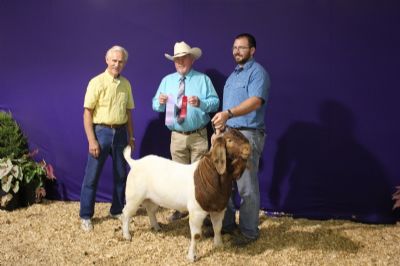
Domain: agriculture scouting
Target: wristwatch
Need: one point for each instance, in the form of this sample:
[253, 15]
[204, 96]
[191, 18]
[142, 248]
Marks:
[230, 114]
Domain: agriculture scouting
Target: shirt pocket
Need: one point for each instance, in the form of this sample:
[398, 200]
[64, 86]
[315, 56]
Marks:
[122, 100]
[104, 97]
[241, 91]
[240, 84]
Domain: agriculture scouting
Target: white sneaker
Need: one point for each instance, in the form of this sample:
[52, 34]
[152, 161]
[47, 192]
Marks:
[86, 225]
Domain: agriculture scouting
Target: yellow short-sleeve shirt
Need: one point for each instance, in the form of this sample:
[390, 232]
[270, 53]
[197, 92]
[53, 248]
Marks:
[109, 98]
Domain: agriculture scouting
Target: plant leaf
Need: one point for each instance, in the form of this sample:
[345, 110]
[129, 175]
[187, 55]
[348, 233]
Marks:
[5, 167]
[50, 171]
[6, 183]
[16, 171]
[16, 187]
[6, 199]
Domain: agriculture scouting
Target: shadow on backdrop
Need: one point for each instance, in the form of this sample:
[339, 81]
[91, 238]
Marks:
[218, 80]
[322, 172]
[156, 139]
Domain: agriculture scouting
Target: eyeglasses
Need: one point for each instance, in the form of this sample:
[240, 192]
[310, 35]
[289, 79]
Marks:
[240, 48]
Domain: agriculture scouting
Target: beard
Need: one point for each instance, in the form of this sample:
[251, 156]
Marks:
[241, 59]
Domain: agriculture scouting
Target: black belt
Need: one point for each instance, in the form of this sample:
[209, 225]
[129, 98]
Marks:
[111, 126]
[189, 132]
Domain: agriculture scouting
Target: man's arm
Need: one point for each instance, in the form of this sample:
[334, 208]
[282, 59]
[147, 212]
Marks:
[209, 102]
[131, 140]
[94, 147]
[160, 98]
[245, 107]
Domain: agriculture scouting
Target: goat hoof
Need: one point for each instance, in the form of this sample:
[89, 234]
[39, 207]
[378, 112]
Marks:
[157, 228]
[191, 258]
[127, 237]
[218, 244]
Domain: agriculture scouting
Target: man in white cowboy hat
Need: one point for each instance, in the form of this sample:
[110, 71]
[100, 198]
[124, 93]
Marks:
[187, 96]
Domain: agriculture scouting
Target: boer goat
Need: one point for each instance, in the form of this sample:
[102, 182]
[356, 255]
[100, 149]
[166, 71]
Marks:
[201, 188]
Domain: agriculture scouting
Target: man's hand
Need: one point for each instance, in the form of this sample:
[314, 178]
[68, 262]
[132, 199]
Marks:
[194, 101]
[219, 120]
[132, 143]
[163, 98]
[94, 148]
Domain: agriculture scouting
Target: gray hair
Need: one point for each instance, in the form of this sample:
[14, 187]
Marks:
[119, 49]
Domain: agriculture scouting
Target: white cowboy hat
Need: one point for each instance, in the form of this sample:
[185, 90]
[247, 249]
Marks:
[182, 49]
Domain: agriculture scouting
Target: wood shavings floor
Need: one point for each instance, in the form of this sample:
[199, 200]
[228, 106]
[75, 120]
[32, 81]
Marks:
[49, 233]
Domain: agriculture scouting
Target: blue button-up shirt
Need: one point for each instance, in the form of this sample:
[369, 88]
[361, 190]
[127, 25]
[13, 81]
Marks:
[196, 84]
[245, 82]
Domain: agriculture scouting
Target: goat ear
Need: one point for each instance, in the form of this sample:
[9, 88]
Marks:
[218, 156]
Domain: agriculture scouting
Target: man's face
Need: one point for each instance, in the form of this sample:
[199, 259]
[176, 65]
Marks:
[241, 51]
[183, 64]
[115, 63]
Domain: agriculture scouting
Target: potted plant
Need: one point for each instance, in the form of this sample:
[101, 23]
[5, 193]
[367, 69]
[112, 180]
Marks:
[23, 180]
[22, 177]
[35, 175]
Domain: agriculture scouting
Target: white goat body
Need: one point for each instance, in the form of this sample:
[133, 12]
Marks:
[164, 182]
[155, 181]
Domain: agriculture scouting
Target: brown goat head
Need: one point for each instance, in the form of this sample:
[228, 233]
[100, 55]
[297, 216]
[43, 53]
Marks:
[213, 176]
[218, 155]
[237, 144]
[238, 150]
[234, 146]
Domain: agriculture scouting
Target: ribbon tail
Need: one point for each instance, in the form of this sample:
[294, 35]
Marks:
[170, 111]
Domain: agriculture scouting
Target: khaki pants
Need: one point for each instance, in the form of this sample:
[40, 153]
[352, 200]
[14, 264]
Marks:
[188, 149]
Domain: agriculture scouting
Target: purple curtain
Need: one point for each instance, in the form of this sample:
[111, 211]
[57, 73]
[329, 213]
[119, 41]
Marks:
[332, 147]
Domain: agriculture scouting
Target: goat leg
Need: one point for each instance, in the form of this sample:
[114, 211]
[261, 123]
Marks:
[125, 226]
[216, 219]
[128, 211]
[195, 222]
[151, 209]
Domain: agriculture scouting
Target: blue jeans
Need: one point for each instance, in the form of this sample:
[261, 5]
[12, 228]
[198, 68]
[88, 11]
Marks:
[112, 142]
[249, 191]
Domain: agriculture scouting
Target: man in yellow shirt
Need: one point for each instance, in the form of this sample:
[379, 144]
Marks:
[109, 128]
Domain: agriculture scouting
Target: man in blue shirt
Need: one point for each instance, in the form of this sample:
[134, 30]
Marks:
[244, 105]
[189, 139]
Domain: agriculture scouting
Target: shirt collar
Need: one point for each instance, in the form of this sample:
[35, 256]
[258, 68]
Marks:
[110, 78]
[246, 66]
[187, 76]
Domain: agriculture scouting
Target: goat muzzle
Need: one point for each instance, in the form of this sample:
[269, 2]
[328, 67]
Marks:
[245, 151]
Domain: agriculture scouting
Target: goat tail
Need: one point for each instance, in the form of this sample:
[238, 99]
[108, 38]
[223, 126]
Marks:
[127, 155]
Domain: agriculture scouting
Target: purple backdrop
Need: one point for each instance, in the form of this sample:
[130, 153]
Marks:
[332, 148]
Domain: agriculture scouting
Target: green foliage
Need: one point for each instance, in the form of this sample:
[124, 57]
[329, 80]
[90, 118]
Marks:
[13, 143]
[18, 173]
[18, 169]
[32, 170]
